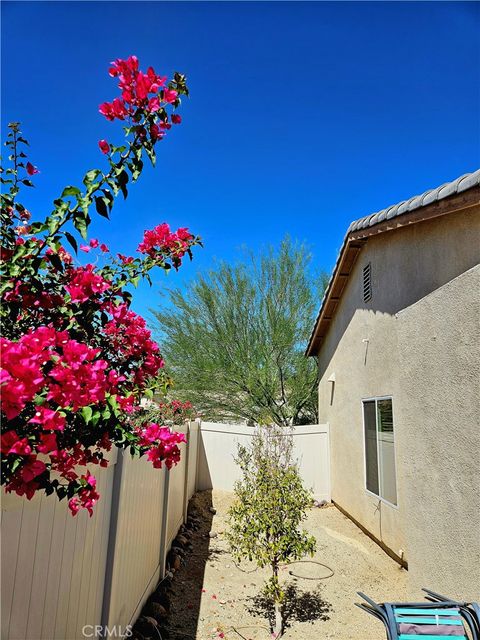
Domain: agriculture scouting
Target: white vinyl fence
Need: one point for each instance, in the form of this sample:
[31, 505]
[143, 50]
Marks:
[218, 447]
[61, 574]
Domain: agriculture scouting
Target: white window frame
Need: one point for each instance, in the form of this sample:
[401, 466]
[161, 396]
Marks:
[370, 493]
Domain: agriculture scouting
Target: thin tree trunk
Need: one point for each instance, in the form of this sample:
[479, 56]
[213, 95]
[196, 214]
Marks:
[278, 629]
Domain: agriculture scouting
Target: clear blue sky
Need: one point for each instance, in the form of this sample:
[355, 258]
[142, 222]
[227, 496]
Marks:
[302, 116]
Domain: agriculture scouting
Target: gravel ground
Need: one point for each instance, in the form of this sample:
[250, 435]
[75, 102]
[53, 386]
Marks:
[212, 596]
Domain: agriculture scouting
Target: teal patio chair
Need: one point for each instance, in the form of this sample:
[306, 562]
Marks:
[420, 620]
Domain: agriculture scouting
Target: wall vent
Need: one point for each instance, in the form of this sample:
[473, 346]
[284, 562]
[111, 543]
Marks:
[367, 282]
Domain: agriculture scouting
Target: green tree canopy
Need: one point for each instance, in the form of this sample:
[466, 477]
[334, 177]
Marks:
[235, 338]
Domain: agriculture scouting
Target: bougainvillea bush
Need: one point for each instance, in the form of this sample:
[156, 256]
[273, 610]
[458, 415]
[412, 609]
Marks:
[76, 360]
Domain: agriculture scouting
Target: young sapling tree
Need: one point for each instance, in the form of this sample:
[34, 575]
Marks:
[270, 505]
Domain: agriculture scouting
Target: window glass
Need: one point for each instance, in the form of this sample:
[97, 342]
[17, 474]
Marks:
[386, 451]
[380, 448]
[371, 456]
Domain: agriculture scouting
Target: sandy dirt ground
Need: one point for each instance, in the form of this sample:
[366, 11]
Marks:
[213, 598]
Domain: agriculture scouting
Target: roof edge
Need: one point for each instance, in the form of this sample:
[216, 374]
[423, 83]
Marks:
[357, 235]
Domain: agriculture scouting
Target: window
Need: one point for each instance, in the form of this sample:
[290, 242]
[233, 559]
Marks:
[367, 282]
[380, 449]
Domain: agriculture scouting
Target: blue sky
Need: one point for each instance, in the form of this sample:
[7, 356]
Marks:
[302, 115]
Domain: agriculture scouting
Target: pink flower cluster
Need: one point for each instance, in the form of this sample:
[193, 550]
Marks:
[128, 335]
[136, 88]
[162, 444]
[162, 240]
[74, 378]
[29, 299]
[85, 283]
[86, 497]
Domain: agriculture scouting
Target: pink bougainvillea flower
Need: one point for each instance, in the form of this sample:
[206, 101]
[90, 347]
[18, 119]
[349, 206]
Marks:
[74, 506]
[11, 443]
[94, 243]
[125, 259]
[85, 248]
[169, 95]
[156, 133]
[115, 109]
[176, 119]
[31, 170]
[49, 419]
[32, 469]
[48, 442]
[104, 248]
[154, 104]
[22, 488]
[86, 498]
[84, 283]
[104, 146]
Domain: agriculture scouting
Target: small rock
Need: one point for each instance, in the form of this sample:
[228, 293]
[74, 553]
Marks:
[181, 540]
[175, 562]
[212, 534]
[156, 610]
[212, 510]
[163, 599]
[147, 626]
[179, 551]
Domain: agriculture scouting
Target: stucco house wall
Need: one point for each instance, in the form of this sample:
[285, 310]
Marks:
[440, 456]
[363, 349]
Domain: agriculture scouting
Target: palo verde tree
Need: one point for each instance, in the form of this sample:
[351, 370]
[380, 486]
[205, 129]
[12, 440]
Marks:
[270, 504]
[235, 338]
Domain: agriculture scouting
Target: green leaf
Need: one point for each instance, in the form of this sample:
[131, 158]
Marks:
[87, 414]
[80, 224]
[90, 176]
[71, 191]
[102, 206]
[72, 241]
[137, 167]
[151, 154]
[27, 183]
[56, 262]
[122, 180]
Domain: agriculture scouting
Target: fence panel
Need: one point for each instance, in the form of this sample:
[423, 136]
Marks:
[218, 447]
[176, 498]
[52, 569]
[135, 557]
[194, 438]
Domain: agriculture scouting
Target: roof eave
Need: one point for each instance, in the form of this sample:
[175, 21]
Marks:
[354, 241]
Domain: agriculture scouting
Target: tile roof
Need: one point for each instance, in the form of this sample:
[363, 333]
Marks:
[449, 188]
[463, 183]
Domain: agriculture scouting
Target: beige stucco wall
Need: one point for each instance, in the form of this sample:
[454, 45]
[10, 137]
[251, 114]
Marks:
[407, 265]
[439, 416]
